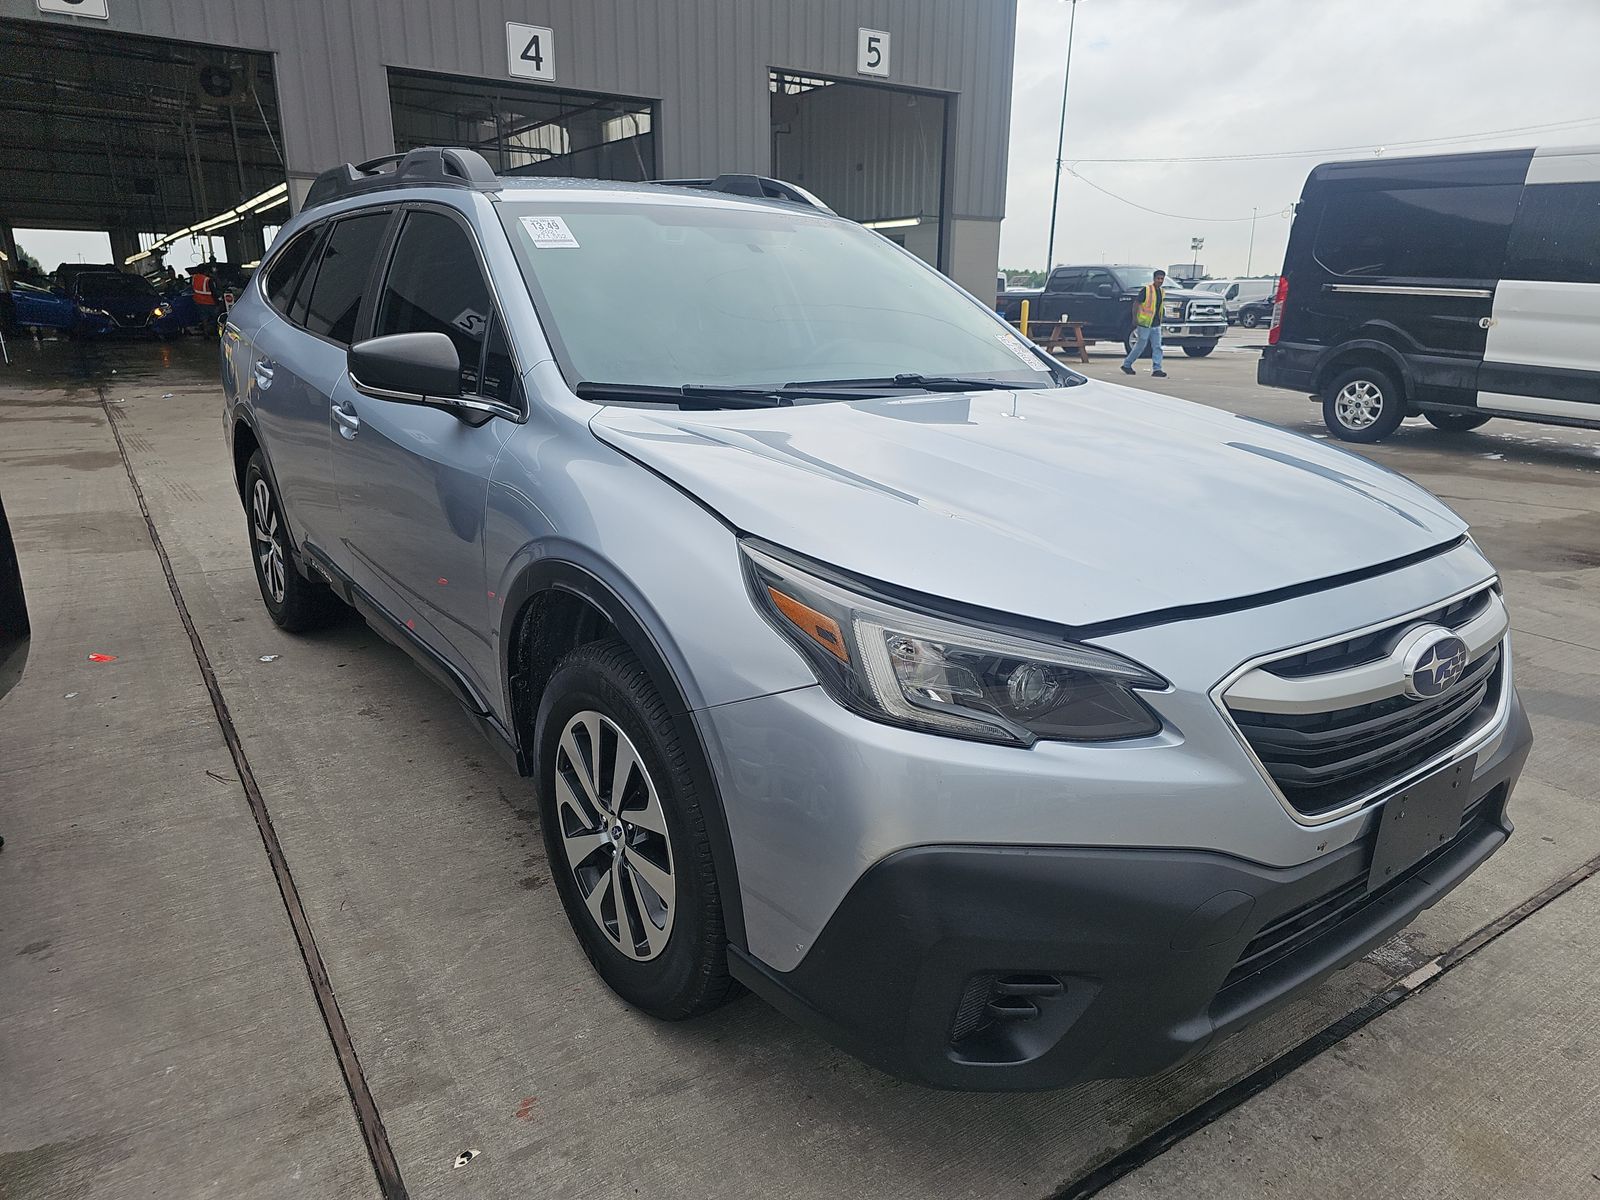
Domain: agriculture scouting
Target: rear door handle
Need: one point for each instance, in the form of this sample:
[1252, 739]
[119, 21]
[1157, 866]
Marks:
[345, 415]
[262, 370]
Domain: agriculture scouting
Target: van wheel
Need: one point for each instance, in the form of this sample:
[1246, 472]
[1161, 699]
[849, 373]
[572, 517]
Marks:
[294, 602]
[1200, 351]
[1455, 422]
[626, 837]
[1363, 404]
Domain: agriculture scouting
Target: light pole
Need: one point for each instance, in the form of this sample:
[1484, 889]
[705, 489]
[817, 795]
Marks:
[1061, 139]
[1251, 253]
[1195, 244]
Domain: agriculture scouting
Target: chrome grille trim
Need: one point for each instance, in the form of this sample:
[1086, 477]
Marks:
[1493, 625]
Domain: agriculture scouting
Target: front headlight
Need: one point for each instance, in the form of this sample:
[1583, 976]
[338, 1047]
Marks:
[96, 312]
[930, 673]
[160, 310]
[1173, 310]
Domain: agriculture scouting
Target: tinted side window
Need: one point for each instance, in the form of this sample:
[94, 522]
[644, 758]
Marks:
[1418, 233]
[1556, 236]
[286, 268]
[342, 276]
[499, 371]
[435, 286]
[1064, 281]
[1094, 279]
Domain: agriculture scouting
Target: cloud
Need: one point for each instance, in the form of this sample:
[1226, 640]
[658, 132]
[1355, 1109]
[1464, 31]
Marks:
[1182, 78]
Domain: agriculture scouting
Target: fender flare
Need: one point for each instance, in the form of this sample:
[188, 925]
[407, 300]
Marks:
[1385, 350]
[561, 575]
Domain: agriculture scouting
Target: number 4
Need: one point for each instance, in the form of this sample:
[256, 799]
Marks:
[532, 53]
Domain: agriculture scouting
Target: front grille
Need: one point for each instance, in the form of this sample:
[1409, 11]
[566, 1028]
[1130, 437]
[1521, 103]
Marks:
[1323, 760]
[1301, 928]
[1370, 647]
[1204, 310]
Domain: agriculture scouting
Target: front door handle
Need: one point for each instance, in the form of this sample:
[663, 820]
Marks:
[345, 415]
[262, 370]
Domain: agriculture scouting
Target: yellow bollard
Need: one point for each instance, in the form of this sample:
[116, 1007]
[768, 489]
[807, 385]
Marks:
[1024, 323]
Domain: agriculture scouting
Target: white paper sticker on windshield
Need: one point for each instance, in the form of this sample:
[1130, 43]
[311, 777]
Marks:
[1014, 344]
[549, 233]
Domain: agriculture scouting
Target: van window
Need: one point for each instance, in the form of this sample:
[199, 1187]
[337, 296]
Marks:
[435, 286]
[1556, 236]
[342, 276]
[1417, 233]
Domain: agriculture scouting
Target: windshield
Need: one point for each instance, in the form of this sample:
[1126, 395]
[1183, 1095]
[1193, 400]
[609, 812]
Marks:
[107, 284]
[667, 295]
[1137, 277]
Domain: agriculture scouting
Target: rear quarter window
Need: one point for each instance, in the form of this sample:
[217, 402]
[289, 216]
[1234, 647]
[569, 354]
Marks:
[1417, 233]
[1556, 236]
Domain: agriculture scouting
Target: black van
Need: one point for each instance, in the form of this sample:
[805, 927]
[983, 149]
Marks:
[1456, 287]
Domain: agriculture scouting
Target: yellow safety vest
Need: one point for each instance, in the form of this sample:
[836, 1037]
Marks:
[1145, 311]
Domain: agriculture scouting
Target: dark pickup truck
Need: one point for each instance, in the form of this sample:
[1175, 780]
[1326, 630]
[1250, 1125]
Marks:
[1102, 298]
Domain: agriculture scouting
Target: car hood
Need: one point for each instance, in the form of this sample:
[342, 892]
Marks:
[1077, 505]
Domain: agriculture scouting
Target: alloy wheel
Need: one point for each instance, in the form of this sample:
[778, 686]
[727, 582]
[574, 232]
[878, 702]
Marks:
[614, 835]
[269, 541]
[1358, 404]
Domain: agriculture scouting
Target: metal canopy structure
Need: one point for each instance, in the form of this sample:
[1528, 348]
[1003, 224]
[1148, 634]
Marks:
[124, 133]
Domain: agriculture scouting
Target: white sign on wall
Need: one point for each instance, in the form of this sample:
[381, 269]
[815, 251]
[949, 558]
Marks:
[528, 51]
[98, 9]
[872, 52]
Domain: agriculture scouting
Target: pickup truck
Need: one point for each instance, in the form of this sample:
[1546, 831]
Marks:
[1102, 298]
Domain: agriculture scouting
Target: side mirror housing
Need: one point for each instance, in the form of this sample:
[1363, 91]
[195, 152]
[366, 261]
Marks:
[1104, 289]
[408, 366]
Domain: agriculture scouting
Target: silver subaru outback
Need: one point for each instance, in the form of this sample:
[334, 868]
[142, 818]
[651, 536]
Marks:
[1008, 727]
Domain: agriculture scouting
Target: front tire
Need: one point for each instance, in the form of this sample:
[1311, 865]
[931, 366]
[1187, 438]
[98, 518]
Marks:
[626, 835]
[294, 602]
[1200, 351]
[1364, 404]
[1455, 422]
[1249, 320]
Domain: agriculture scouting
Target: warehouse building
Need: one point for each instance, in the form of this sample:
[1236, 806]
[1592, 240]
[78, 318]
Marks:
[164, 121]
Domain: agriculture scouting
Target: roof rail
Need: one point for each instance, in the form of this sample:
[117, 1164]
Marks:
[446, 166]
[757, 186]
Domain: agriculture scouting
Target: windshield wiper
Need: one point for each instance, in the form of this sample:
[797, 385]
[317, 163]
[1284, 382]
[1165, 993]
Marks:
[690, 395]
[929, 383]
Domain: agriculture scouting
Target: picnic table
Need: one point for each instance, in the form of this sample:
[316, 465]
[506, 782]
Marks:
[1061, 336]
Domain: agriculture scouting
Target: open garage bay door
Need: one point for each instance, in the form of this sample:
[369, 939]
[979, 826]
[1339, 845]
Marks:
[526, 130]
[872, 153]
[136, 136]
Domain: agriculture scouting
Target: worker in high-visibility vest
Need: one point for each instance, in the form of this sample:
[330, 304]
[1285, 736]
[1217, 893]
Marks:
[1147, 310]
[201, 277]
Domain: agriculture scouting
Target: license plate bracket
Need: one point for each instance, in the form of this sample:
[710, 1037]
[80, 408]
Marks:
[1418, 819]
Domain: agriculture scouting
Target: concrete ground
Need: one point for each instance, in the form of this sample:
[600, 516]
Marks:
[158, 1035]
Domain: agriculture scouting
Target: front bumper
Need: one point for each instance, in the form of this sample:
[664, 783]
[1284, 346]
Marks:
[1179, 334]
[1129, 959]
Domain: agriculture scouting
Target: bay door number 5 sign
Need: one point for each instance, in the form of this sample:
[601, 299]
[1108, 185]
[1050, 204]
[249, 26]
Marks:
[872, 52]
[528, 51]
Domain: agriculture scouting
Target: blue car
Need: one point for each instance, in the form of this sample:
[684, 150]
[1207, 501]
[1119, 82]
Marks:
[35, 307]
[124, 303]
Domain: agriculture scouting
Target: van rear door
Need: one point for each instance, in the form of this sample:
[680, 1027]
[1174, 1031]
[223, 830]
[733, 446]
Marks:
[1542, 355]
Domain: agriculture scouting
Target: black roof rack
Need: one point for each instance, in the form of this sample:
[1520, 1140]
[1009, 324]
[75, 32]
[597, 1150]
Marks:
[757, 186]
[445, 166]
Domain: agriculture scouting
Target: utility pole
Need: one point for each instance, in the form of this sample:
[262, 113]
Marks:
[1061, 140]
[1251, 253]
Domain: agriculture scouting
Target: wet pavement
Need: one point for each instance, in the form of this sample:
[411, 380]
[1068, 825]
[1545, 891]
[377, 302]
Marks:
[158, 1034]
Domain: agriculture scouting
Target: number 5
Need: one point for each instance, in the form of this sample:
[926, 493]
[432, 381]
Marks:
[874, 51]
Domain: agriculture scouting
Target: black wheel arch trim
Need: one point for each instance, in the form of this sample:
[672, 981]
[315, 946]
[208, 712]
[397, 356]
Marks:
[564, 575]
[1328, 365]
[297, 552]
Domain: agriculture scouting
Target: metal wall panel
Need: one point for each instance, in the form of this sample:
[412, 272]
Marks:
[704, 61]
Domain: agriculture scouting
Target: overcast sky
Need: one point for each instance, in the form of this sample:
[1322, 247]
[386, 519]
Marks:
[1179, 78]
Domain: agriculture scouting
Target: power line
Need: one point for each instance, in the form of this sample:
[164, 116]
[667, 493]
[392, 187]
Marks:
[1175, 216]
[1274, 154]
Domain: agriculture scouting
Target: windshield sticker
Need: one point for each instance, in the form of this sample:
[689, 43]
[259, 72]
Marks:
[549, 233]
[1014, 344]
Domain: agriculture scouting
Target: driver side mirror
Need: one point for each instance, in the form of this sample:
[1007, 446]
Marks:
[414, 367]
[1104, 290]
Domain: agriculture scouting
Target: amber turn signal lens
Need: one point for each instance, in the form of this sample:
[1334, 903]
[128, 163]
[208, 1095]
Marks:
[819, 627]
